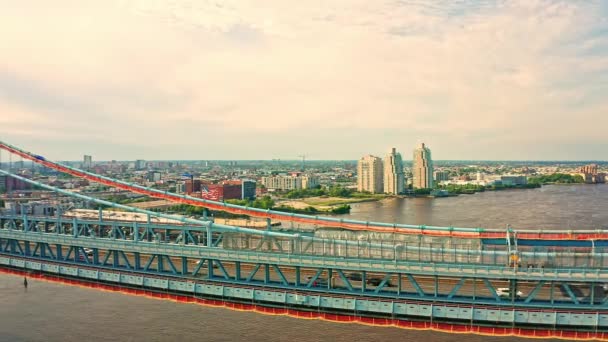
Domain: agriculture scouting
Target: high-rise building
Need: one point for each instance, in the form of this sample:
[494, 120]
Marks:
[394, 178]
[248, 189]
[591, 168]
[140, 164]
[422, 168]
[88, 162]
[370, 175]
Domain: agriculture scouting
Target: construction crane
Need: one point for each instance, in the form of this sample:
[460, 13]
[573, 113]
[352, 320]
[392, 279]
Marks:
[303, 156]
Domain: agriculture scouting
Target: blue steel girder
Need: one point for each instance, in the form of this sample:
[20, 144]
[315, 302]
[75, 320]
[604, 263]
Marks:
[491, 289]
[253, 272]
[190, 238]
[383, 283]
[81, 255]
[169, 262]
[149, 263]
[222, 268]
[68, 254]
[276, 243]
[260, 243]
[415, 285]
[18, 246]
[344, 280]
[280, 274]
[125, 259]
[36, 248]
[314, 278]
[217, 241]
[106, 257]
[306, 246]
[198, 266]
[568, 290]
[83, 229]
[456, 288]
[534, 291]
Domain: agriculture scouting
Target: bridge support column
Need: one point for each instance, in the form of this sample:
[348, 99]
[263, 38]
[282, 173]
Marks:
[209, 236]
[237, 270]
[59, 251]
[135, 231]
[266, 273]
[184, 265]
[209, 268]
[474, 288]
[399, 288]
[436, 286]
[137, 260]
[115, 261]
[297, 275]
[363, 280]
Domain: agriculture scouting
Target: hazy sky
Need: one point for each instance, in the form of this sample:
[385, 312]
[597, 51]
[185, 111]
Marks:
[334, 79]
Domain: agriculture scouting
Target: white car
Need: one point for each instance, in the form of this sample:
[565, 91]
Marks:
[88, 251]
[505, 292]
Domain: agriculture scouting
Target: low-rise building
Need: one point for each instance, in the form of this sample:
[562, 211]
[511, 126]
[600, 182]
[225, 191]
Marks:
[290, 182]
[511, 180]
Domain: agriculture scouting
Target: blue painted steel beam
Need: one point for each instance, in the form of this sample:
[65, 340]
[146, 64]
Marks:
[383, 283]
[415, 285]
[184, 265]
[146, 266]
[534, 291]
[171, 265]
[222, 269]
[125, 259]
[344, 280]
[253, 272]
[266, 274]
[568, 290]
[491, 289]
[280, 274]
[198, 266]
[237, 271]
[35, 248]
[314, 278]
[456, 288]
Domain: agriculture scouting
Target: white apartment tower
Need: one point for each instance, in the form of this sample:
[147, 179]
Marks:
[422, 168]
[394, 177]
[370, 175]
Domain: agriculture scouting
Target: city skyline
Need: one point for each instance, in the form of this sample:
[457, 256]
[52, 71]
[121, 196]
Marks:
[488, 80]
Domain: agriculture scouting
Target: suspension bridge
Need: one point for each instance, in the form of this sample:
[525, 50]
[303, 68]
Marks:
[535, 283]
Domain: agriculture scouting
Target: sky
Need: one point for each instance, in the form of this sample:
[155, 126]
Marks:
[331, 79]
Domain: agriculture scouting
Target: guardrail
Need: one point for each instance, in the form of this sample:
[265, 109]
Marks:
[369, 265]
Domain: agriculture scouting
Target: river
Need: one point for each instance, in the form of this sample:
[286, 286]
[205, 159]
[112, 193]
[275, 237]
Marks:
[54, 312]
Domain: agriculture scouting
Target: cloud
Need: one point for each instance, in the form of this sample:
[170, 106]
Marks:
[348, 77]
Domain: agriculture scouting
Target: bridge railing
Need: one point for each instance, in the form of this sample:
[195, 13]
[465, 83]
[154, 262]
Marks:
[294, 244]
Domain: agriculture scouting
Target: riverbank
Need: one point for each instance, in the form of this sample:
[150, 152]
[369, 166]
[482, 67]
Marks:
[324, 203]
